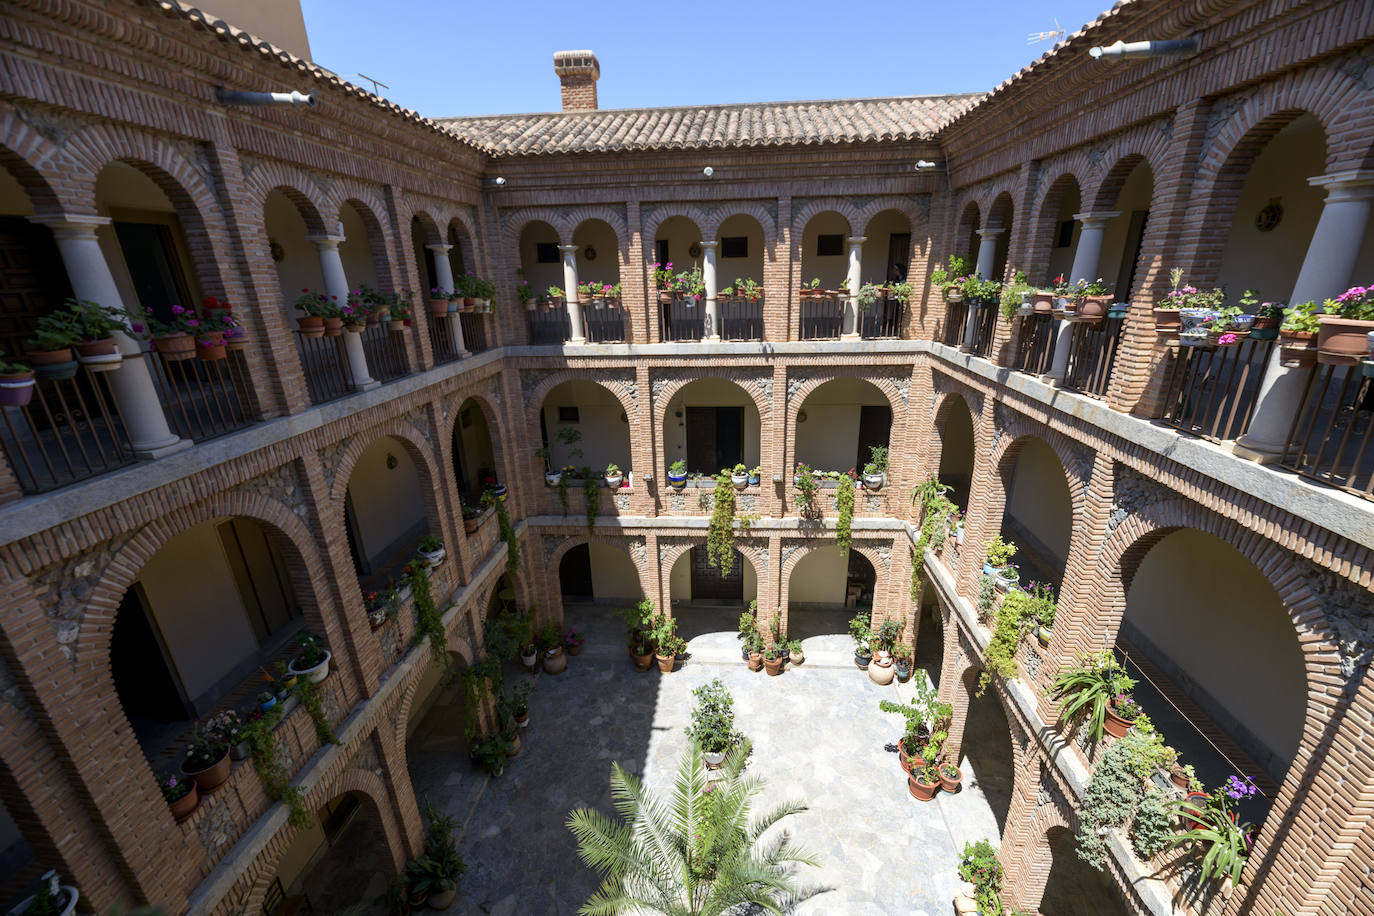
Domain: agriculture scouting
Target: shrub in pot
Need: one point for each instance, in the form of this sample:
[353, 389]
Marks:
[861, 631]
[207, 759]
[751, 640]
[950, 776]
[180, 794]
[431, 550]
[312, 659]
[739, 476]
[1091, 688]
[875, 471]
[795, 655]
[572, 642]
[923, 782]
[677, 474]
[96, 344]
[16, 383]
[999, 565]
[773, 658]
[614, 476]
[670, 645]
[713, 722]
[639, 621]
[49, 350]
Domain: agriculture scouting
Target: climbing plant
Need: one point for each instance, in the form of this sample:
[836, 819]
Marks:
[844, 501]
[563, 489]
[592, 488]
[428, 623]
[276, 782]
[720, 535]
[314, 705]
[936, 510]
[1013, 618]
[507, 529]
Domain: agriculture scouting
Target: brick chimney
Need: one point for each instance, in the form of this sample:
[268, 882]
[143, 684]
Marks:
[578, 71]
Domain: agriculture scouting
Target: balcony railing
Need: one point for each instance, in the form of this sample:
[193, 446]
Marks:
[821, 317]
[740, 318]
[1035, 344]
[550, 325]
[1092, 354]
[1332, 440]
[441, 340]
[69, 431]
[327, 375]
[681, 318]
[886, 318]
[385, 351]
[474, 332]
[204, 399]
[605, 324]
[956, 316]
[1210, 391]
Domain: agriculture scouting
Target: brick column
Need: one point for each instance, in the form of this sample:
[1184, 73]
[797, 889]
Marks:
[783, 320]
[419, 353]
[635, 289]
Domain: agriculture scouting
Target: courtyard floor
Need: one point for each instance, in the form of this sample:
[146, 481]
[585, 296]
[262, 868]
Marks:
[818, 736]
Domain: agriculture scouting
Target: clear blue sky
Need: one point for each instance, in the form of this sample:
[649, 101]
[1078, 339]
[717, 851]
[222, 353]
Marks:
[468, 58]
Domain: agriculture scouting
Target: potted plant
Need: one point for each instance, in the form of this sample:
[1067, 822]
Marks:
[550, 641]
[313, 307]
[1092, 690]
[861, 631]
[52, 899]
[795, 655]
[16, 383]
[669, 644]
[312, 659]
[49, 350]
[1212, 825]
[875, 471]
[1298, 335]
[180, 794]
[739, 476]
[901, 660]
[677, 474]
[1042, 609]
[526, 295]
[529, 655]
[639, 621]
[999, 565]
[773, 657]
[713, 722]
[572, 642]
[431, 550]
[207, 758]
[950, 776]
[755, 476]
[614, 476]
[884, 640]
[472, 517]
[97, 323]
[807, 486]
[438, 302]
[1093, 297]
[1342, 335]
[923, 781]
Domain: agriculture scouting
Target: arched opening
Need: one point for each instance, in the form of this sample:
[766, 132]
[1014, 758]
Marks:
[711, 423]
[596, 573]
[886, 257]
[1200, 620]
[1038, 516]
[1058, 229]
[356, 250]
[462, 256]
[295, 257]
[541, 268]
[707, 600]
[677, 249]
[598, 263]
[423, 233]
[1001, 213]
[1073, 887]
[842, 425]
[930, 633]
[584, 427]
[384, 511]
[366, 266]
[1124, 234]
[825, 589]
[342, 858]
[956, 449]
[740, 258]
[987, 762]
[824, 267]
[211, 606]
[437, 731]
[474, 460]
[966, 238]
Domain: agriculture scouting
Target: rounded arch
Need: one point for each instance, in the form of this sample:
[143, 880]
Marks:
[834, 437]
[608, 215]
[966, 231]
[601, 250]
[521, 220]
[604, 418]
[20, 148]
[496, 433]
[829, 576]
[739, 210]
[724, 386]
[955, 427]
[388, 502]
[672, 554]
[1018, 431]
[530, 244]
[1039, 507]
[1061, 201]
[429, 227]
[759, 248]
[889, 244]
[377, 266]
[599, 569]
[654, 221]
[842, 207]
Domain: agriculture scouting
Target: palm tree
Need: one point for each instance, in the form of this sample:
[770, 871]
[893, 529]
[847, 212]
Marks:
[694, 853]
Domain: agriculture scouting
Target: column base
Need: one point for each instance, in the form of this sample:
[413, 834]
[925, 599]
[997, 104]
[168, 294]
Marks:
[577, 341]
[711, 338]
[1259, 455]
[1050, 379]
[154, 452]
[464, 354]
[851, 336]
[367, 385]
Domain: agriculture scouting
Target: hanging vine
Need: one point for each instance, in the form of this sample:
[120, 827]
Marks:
[314, 704]
[506, 528]
[844, 501]
[428, 624]
[592, 487]
[936, 510]
[563, 490]
[720, 535]
[276, 782]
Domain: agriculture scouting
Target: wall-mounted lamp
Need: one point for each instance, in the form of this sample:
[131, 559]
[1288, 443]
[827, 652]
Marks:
[391, 462]
[708, 171]
[497, 182]
[801, 416]
[924, 165]
[1136, 50]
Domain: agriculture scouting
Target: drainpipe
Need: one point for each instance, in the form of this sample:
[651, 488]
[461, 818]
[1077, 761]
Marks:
[1142, 49]
[293, 98]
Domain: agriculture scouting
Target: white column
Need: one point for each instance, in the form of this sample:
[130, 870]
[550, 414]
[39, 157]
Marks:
[849, 325]
[708, 276]
[576, 334]
[132, 384]
[1327, 270]
[1085, 261]
[987, 250]
[443, 278]
[336, 285]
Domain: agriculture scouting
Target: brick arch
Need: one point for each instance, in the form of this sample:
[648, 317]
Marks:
[517, 221]
[674, 387]
[455, 645]
[495, 429]
[379, 239]
[815, 207]
[296, 185]
[466, 231]
[622, 544]
[901, 205]
[969, 221]
[1015, 435]
[608, 216]
[662, 214]
[21, 150]
[192, 197]
[429, 225]
[767, 222]
[866, 547]
[535, 399]
[667, 558]
[943, 406]
[1001, 209]
[1104, 194]
[886, 384]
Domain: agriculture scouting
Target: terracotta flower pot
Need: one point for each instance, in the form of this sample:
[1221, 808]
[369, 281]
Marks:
[333, 327]
[311, 326]
[182, 807]
[755, 661]
[1042, 303]
[774, 665]
[1178, 777]
[1094, 306]
[1342, 341]
[1297, 349]
[95, 350]
[438, 307]
[642, 662]
[213, 776]
[1166, 320]
[470, 525]
[176, 347]
[921, 791]
[1114, 725]
[908, 761]
[396, 325]
[665, 662]
[211, 348]
[40, 359]
[951, 784]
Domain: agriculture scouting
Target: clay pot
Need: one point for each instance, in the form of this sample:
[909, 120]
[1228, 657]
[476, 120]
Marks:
[573, 650]
[919, 790]
[881, 671]
[1114, 725]
[796, 657]
[948, 784]
[514, 747]
[470, 525]
[176, 347]
[210, 349]
[1178, 777]
[333, 327]
[1094, 306]
[555, 661]
[41, 359]
[97, 350]
[213, 776]
[395, 325]
[1043, 303]
[642, 662]
[311, 326]
[755, 661]
[1296, 349]
[774, 665]
[16, 390]
[182, 807]
[665, 662]
[438, 308]
[1342, 341]
[1167, 320]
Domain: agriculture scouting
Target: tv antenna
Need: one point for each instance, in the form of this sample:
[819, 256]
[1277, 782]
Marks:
[375, 83]
[1034, 38]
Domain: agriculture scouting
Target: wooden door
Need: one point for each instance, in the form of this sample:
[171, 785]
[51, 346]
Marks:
[709, 585]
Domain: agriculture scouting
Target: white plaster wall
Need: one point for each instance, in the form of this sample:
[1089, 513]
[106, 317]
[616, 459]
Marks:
[475, 443]
[126, 194]
[956, 445]
[1039, 497]
[879, 233]
[309, 843]
[820, 577]
[197, 607]
[426, 693]
[14, 200]
[1134, 195]
[613, 573]
[605, 436]
[1270, 261]
[356, 250]
[418, 241]
[829, 439]
[1061, 259]
[600, 236]
[300, 267]
[830, 269]
[1203, 604]
[709, 392]
[541, 276]
[728, 270]
[387, 504]
[681, 234]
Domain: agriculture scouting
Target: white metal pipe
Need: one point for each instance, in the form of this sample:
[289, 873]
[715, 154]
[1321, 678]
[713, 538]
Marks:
[294, 98]
[1140, 49]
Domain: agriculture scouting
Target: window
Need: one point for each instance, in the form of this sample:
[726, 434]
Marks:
[546, 253]
[1065, 234]
[661, 249]
[568, 415]
[829, 246]
[734, 246]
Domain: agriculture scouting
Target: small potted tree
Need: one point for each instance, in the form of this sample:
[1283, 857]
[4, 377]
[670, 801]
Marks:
[669, 644]
[861, 631]
[875, 471]
[713, 722]
[749, 637]
[882, 671]
[901, 660]
[677, 474]
[774, 655]
[639, 622]
[999, 565]
[312, 659]
[739, 476]
[431, 550]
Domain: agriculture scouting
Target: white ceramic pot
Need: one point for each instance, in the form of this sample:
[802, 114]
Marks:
[433, 557]
[713, 759]
[313, 675]
[875, 481]
[553, 478]
[614, 482]
[72, 895]
[530, 660]
[881, 671]
[739, 480]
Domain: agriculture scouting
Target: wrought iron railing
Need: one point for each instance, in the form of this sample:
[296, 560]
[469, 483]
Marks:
[1092, 354]
[548, 323]
[325, 364]
[822, 317]
[886, 318]
[441, 340]
[604, 324]
[681, 318]
[69, 430]
[956, 314]
[1210, 391]
[1332, 440]
[204, 398]
[385, 352]
[1035, 344]
[740, 318]
[474, 332]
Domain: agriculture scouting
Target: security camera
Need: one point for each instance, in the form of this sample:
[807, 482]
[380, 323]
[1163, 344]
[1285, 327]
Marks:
[924, 164]
[708, 171]
[500, 181]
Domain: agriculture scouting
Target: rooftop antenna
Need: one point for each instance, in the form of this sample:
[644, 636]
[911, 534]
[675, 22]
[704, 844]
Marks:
[1034, 38]
[375, 84]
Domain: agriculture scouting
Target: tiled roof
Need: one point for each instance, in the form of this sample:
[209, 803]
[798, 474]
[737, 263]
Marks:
[713, 126]
[233, 35]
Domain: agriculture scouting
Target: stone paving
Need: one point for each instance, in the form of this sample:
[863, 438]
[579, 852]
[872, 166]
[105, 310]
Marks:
[818, 736]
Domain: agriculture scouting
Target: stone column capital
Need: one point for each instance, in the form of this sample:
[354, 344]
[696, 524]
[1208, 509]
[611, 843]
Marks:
[991, 232]
[439, 247]
[1096, 218]
[72, 227]
[1351, 185]
[857, 239]
[569, 249]
[711, 244]
[325, 242]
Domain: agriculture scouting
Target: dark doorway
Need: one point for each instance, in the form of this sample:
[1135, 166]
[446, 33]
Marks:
[898, 256]
[715, 438]
[150, 255]
[709, 585]
[875, 428]
[1130, 255]
[351, 532]
[148, 691]
[33, 281]
[260, 572]
[575, 573]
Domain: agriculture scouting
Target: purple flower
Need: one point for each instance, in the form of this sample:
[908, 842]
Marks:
[138, 328]
[178, 310]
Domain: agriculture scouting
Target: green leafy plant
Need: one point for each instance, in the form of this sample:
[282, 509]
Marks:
[978, 865]
[428, 623]
[1356, 303]
[861, 631]
[314, 705]
[720, 533]
[1217, 830]
[1110, 800]
[1000, 552]
[57, 330]
[430, 543]
[713, 718]
[844, 501]
[506, 528]
[1014, 293]
[1303, 318]
[877, 460]
[936, 509]
[1013, 620]
[1089, 687]
[807, 487]
[987, 596]
[591, 489]
[749, 628]
[258, 732]
[639, 621]
[1151, 830]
